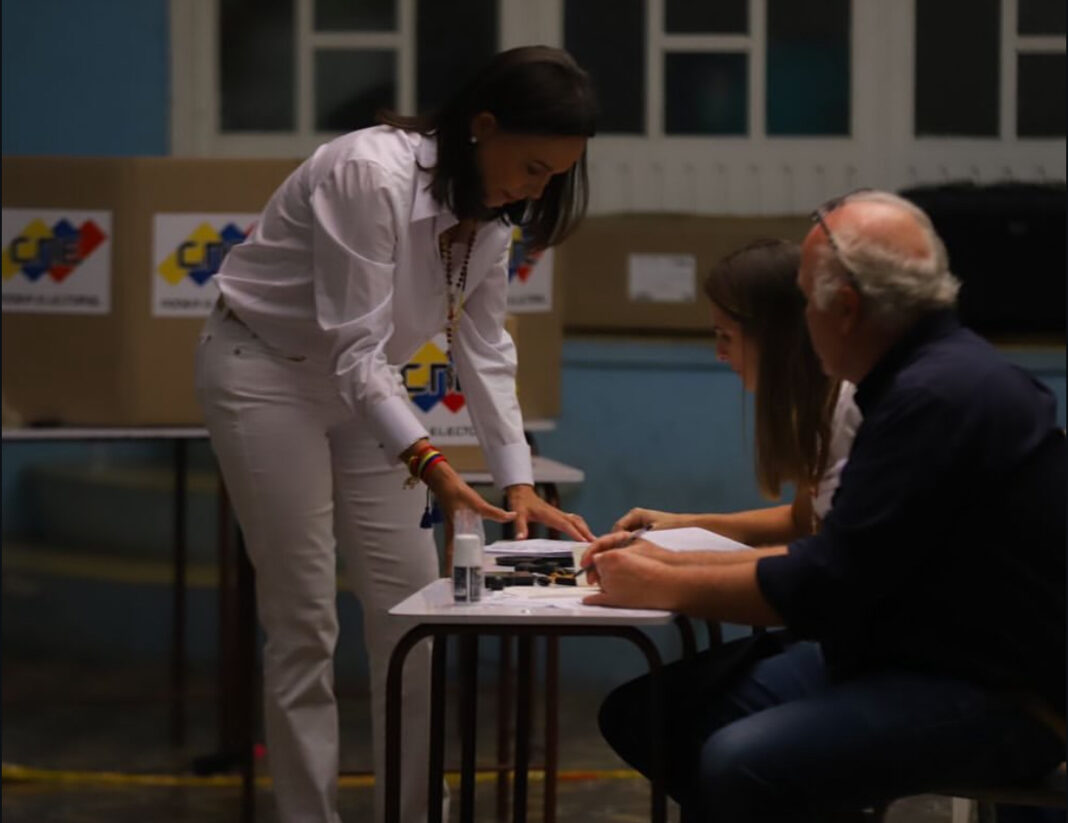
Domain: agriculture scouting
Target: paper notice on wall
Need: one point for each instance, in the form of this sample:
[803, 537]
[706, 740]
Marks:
[441, 408]
[56, 261]
[187, 250]
[662, 278]
[530, 277]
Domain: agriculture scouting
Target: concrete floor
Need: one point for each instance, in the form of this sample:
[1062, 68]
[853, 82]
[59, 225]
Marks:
[85, 733]
[94, 741]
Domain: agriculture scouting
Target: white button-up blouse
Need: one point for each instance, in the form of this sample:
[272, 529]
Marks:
[344, 269]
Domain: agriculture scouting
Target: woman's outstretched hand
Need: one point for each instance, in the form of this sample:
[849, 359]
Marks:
[528, 507]
[649, 519]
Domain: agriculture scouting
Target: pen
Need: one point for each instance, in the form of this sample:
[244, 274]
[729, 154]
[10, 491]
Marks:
[634, 535]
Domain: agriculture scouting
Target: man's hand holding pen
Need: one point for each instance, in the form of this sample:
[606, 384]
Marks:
[635, 578]
[630, 540]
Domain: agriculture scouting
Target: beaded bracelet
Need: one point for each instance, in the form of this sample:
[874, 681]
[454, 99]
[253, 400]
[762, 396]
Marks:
[413, 461]
[421, 462]
[428, 462]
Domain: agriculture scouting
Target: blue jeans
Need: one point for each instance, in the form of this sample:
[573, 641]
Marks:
[775, 739]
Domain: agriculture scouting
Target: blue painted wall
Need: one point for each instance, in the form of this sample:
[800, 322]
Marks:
[80, 78]
[664, 425]
[86, 77]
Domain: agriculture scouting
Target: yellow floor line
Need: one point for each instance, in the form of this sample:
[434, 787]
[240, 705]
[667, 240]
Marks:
[92, 566]
[13, 773]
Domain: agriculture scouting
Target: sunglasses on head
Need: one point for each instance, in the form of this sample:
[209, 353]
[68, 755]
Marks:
[818, 217]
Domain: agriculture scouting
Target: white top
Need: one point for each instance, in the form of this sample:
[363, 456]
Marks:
[844, 424]
[344, 268]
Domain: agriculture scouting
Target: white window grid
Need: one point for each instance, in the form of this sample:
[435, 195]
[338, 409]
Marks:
[654, 172]
[196, 105]
[1012, 46]
[195, 127]
[753, 44]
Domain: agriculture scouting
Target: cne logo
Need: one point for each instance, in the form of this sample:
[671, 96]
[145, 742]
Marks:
[199, 256]
[523, 258]
[426, 379]
[56, 251]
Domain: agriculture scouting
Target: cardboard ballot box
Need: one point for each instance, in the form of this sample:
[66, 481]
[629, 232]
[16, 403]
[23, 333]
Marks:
[645, 272]
[107, 266]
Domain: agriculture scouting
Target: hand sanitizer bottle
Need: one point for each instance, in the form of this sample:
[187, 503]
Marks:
[467, 558]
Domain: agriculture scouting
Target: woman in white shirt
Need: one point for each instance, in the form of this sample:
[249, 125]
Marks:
[805, 421]
[382, 239]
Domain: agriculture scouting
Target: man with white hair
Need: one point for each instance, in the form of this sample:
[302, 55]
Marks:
[931, 605]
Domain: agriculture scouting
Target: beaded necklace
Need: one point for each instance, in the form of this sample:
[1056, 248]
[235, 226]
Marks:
[455, 292]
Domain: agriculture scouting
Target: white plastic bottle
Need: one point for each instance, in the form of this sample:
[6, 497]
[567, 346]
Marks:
[466, 568]
[467, 546]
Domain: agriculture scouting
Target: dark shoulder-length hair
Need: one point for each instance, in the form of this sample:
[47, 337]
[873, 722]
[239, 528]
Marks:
[532, 90]
[795, 400]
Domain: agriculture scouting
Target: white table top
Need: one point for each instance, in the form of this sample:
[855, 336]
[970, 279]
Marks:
[433, 604]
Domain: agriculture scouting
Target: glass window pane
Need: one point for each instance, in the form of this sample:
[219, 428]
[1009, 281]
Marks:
[1040, 95]
[705, 93]
[957, 77]
[354, 15]
[1040, 16]
[808, 66]
[719, 17]
[351, 87]
[607, 38]
[441, 67]
[256, 65]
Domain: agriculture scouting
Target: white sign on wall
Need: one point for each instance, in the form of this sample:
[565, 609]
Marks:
[56, 261]
[662, 278]
[187, 250]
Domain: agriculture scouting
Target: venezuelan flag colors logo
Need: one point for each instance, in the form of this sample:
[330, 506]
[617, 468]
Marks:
[426, 378]
[56, 261]
[198, 256]
[530, 275]
[523, 258]
[188, 250]
[56, 250]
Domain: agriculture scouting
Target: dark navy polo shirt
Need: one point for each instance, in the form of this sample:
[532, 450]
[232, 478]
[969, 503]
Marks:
[944, 551]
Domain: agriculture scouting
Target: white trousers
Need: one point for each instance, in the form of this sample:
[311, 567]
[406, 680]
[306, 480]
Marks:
[304, 477]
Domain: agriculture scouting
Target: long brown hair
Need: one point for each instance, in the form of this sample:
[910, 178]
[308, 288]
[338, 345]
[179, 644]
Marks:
[532, 90]
[757, 286]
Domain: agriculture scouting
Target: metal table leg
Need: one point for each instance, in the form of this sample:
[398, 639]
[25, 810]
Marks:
[468, 724]
[436, 772]
[504, 701]
[524, 687]
[178, 611]
[552, 724]
[525, 634]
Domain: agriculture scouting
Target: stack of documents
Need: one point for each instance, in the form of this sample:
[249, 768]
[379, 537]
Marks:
[679, 540]
[535, 547]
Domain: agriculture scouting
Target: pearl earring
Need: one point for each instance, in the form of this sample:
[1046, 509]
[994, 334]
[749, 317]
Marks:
[473, 139]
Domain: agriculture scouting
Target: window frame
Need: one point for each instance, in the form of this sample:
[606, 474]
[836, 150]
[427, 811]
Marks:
[713, 174]
[932, 159]
[195, 97]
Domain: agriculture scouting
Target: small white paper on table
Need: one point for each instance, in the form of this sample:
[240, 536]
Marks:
[692, 539]
[568, 597]
[535, 547]
[662, 278]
